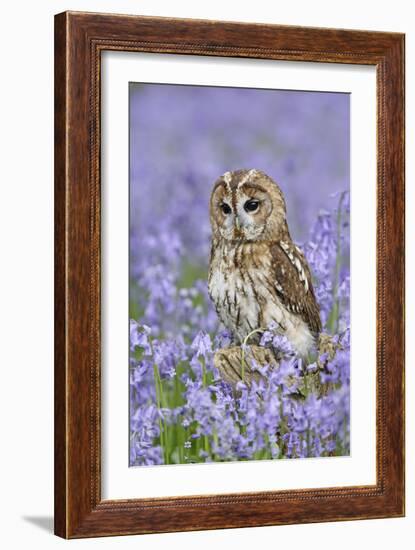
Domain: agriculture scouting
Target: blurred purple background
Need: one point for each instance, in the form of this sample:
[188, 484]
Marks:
[183, 137]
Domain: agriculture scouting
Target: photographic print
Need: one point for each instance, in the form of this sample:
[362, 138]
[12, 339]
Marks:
[202, 248]
[239, 283]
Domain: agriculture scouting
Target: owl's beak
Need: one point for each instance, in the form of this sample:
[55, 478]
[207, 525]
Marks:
[237, 231]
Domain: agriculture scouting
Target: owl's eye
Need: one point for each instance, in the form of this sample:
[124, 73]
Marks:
[226, 209]
[251, 206]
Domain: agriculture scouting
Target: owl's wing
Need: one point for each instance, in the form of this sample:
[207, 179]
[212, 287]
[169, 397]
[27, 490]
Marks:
[293, 283]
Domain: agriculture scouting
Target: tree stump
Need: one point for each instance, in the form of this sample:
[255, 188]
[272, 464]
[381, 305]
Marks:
[229, 362]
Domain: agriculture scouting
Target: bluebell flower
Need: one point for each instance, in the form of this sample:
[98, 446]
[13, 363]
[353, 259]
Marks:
[139, 337]
[202, 344]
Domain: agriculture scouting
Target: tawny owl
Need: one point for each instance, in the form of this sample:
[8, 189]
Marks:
[257, 275]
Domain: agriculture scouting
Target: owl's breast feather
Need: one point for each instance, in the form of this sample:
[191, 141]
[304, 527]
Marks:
[242, 288]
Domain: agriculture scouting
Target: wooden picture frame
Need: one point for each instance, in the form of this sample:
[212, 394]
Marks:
[79, 40]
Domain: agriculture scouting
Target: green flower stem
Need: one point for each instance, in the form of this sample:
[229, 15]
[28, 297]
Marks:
[204, 381]
[161, 402]
[158, 402]
[333, 322]
[180, 430]
[215, 440]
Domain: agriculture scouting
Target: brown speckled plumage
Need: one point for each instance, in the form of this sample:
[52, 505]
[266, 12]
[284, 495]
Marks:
[257, 275]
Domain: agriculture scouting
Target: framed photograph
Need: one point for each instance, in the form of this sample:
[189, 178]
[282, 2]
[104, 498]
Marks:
[229, 275]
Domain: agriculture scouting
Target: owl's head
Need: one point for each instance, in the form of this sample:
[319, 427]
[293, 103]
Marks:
[247, 205]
